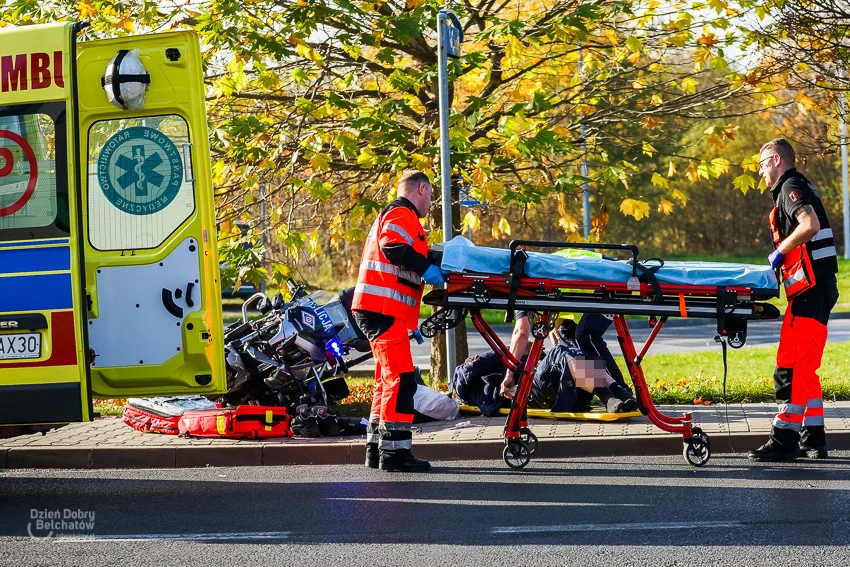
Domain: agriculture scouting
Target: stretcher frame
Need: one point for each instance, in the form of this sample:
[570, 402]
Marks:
[642, 295]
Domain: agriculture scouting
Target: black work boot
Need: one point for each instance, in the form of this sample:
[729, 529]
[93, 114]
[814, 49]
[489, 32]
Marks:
[782, 446]
[627, 400]
[402, 460]
[372, 454]
[373, 457]
[813, 442]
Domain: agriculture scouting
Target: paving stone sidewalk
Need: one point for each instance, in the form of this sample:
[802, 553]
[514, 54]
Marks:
[108, 443]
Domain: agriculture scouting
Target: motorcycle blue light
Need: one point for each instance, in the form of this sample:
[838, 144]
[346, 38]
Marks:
[335, 346]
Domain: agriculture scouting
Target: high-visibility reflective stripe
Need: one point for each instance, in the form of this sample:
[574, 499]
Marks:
[374, 418]
[372, 438]
[367, 289]
[814, 403]
[813, 420]
[373, 231]
[412, 277]
[822, 233]
[792, 409]
[387, 445]
[782, 424]
[396, 426]
[403, 233]
[823, 253]
[794, 277]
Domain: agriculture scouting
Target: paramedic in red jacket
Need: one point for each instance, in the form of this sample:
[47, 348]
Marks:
[805, 256]
[386, 308]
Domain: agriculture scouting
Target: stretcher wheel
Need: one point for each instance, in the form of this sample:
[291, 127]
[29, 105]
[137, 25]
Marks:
[530, 439]
[697, 450]
[516, 454]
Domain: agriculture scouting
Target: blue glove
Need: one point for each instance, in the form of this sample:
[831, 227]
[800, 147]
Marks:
[434, 275]
[775, 259]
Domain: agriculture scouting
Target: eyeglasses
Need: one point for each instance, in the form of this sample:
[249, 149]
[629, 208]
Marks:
[761, 161]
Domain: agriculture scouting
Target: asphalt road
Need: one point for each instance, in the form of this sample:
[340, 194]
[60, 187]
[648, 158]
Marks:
[612, 512]
[688, 338]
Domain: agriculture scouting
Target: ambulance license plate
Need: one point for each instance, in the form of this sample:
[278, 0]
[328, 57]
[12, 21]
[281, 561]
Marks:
[20, 345]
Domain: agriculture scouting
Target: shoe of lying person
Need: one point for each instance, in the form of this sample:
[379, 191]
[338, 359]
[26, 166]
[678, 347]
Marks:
[304, 424]
[328, 425]
[625, 401]
[402, 460]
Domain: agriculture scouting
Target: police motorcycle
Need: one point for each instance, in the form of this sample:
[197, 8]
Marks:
[296, 354]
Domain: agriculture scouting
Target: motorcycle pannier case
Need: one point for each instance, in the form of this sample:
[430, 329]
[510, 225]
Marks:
[242, 422]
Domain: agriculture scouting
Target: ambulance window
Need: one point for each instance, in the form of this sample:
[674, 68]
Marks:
[140, 187]
[33, 172]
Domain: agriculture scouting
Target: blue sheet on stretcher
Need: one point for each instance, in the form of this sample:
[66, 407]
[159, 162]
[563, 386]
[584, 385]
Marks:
[460, 255]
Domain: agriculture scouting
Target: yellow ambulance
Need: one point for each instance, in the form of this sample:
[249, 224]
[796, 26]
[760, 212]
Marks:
[108, 264]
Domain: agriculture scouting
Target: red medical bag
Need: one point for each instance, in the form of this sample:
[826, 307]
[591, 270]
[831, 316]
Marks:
[147, 421]
[242, 422]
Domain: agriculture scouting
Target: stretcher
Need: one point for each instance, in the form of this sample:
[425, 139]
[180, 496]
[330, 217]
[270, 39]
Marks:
[518, 279]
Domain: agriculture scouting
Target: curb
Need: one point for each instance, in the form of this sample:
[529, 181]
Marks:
[255, 455]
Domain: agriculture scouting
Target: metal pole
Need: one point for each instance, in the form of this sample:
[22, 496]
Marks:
[263, 228]
[585, 192]
[844, 182]
[445, 164]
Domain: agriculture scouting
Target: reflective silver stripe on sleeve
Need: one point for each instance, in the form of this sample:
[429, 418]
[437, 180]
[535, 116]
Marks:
[387, 445]
[412, 277]
[814, 403]
[823, 253]
[811, 420]
[822, 233]
[373, 231]
[373, 438]
[384, 292]
[400, 231]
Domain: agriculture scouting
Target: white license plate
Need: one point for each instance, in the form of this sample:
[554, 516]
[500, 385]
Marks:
[20, 345]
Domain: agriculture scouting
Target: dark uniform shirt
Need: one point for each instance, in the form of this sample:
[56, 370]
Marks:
[791, 192]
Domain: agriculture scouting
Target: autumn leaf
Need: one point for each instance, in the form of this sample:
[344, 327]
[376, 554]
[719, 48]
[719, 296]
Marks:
[470, 222]
[665, 206]
[744, 183]
[721, 165]
[320, 162]
[671, 169]
[689, 85]
[691, 173]
[634, 208]
[87, 9]
[659, 180]
[751, 163]
[708, 39]
[413, 4]
[648, 149]
[650, 122]
[505, 226]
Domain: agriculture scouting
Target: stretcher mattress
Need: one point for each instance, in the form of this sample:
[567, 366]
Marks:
[596, 415]
[461, 256]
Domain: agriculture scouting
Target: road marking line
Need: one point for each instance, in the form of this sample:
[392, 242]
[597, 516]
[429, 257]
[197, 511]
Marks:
[480, 502]
[230, 536]
[613, 527]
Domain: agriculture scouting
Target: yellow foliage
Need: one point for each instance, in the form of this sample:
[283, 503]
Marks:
[659, 180]
[413, 4]
[721, 165]
[87, 9]
[691, 173]
[671, 169]
[650, 122]
[634, 208]
[665, 206]
[505, 226]
[470, 222]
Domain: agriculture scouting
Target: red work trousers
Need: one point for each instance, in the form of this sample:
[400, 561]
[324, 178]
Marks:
[798, 388]
[395, 386]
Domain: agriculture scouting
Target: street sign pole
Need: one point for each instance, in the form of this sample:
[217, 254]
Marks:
[448, 44]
